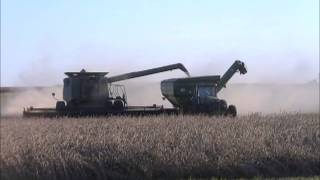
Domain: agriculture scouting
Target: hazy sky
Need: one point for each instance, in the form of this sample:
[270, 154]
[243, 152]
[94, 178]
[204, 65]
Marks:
[278, 40]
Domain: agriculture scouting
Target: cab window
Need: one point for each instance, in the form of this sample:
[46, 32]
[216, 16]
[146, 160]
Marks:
[204, 91]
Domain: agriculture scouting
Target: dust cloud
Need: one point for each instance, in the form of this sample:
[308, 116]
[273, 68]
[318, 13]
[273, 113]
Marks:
[248, 98]
[272, 98]
[13, 102]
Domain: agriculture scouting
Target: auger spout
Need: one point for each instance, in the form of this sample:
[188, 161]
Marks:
[235, 67]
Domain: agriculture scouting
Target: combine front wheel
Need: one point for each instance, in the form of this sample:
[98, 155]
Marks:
[60, 106]
[231, 111]
[118, 105]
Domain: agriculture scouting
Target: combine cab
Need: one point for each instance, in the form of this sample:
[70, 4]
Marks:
[92, 94]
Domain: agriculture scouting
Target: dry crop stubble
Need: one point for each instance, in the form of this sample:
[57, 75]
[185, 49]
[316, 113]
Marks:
[277, 145]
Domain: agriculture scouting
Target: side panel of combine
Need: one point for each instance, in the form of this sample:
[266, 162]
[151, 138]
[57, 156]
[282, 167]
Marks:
[71, 89]
[167, 89]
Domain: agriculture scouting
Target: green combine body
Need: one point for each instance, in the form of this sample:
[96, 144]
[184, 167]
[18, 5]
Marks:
[199, 94]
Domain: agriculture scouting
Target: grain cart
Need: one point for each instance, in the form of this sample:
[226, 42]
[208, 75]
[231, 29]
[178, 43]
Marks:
[199, 94]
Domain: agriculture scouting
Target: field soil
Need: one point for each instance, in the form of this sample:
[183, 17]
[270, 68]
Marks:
[255, 145]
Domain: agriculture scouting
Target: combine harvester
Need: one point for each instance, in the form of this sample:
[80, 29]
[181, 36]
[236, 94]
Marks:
[94, 94]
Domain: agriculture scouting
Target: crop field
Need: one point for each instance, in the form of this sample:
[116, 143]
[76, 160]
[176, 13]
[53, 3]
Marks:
[253, 145]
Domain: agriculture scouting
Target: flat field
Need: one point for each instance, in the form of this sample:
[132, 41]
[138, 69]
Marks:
[255, 145]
